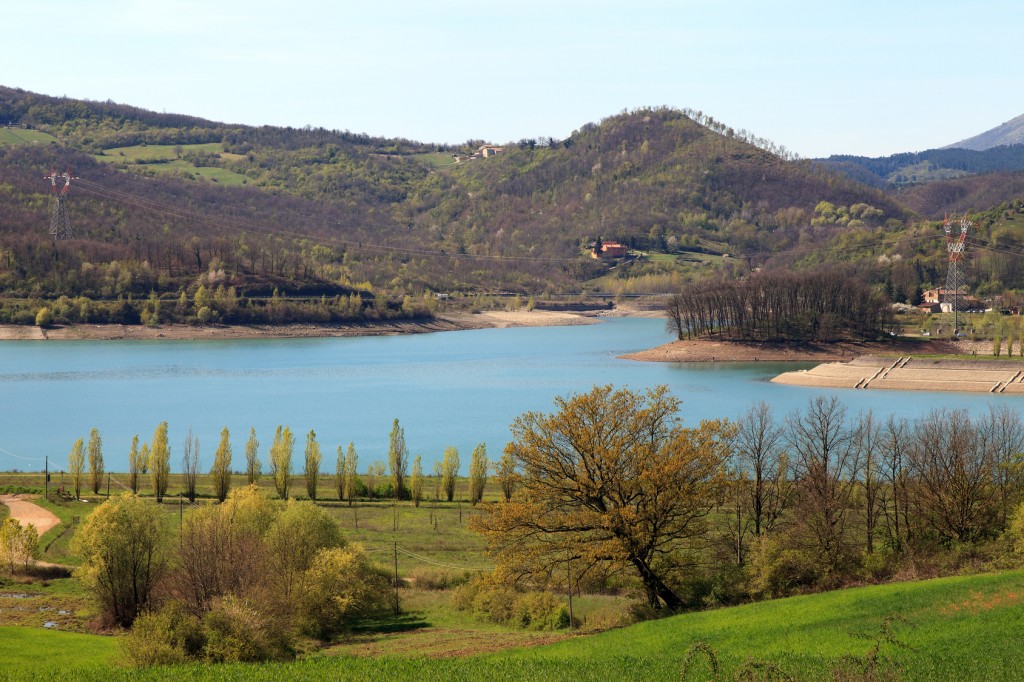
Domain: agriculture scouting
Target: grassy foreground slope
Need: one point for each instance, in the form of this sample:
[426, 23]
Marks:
[965, 628]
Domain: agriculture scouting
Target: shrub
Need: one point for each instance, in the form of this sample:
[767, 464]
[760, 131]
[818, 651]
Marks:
[171, 635]
[506, 605]
[19, 545]
[237, 631]
[340, 587]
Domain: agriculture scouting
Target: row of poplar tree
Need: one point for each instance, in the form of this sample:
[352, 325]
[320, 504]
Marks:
[85, 462]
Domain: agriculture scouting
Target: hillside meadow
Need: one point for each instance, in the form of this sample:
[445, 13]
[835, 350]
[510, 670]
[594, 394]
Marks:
[963, 628]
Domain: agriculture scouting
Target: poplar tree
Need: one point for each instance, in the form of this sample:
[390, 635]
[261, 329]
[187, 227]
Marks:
[417, 481]
[95, 460]
[76, 463]
[134, 465]
[398, 459]
[253, 469]
[449, 471]
[313, 458]
[221, 471]
[281, 460]
[190, 465]
[351, 462]
[477, 473]
[339, 474]
[505, 472]
[160, 462]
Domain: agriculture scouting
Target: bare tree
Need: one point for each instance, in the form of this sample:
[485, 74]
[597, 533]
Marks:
[190, 465]
[894, 497]
[869, 439]
[825, 464]
[758, 453]
[954, 465]
[1005, 434]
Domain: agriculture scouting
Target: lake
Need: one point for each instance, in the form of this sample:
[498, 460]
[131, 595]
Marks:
[449, 388]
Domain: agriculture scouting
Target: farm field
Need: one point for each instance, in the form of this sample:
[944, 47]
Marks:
[167, 158]
[951, 628]
[18, 136]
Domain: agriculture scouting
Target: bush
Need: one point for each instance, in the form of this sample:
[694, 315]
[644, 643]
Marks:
[428, 578]
[541, 611]
[506, 605]
[341, 586]
[171, 635]
[19, 546]
[237, 632]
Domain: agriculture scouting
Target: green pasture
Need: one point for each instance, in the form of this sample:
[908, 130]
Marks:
[166, 158]
[18, 136]
[962, 628]
[435, 159]
[152, 153]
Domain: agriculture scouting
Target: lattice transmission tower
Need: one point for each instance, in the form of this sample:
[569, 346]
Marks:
[956, 246]
[60, 221]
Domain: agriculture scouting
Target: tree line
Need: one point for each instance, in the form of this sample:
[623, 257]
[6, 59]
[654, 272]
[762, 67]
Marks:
[820, 305]
[612, 484]
[394, 479]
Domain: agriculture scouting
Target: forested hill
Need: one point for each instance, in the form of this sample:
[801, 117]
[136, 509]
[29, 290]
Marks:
[168, 202]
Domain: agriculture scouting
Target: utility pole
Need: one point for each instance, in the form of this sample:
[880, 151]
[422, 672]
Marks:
[954, 275]
[108, 485]
[46, 477]
[396, 578]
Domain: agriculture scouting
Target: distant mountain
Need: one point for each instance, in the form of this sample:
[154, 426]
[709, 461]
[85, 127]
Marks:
[1009, 133]
[933, 165]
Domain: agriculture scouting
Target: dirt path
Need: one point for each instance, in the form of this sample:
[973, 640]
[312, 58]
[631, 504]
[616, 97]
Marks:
[26, 512]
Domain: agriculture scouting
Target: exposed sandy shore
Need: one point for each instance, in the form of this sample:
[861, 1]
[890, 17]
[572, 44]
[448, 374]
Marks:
[26, 512]
[443, 322]
[705, 350]
[913, 374]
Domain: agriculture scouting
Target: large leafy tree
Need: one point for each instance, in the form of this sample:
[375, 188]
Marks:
[121, 558]
[76, 462]
[610, 481]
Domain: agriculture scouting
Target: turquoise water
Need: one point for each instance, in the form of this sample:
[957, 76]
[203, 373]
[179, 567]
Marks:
[450, 388]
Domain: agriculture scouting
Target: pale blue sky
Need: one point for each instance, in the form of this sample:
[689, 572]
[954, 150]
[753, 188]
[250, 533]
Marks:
[820, 78]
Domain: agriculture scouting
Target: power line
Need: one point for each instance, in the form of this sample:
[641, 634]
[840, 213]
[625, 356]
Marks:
[27, 459]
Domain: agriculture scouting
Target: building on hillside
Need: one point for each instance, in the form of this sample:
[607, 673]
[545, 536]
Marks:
[609, 250]
[489, 150]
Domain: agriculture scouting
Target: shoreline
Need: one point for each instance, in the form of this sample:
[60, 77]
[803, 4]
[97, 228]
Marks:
[913, 374]
[459, 321]
[716, 350]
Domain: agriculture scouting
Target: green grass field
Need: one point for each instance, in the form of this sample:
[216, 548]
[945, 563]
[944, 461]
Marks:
[961, 628]
[18, 136]
[163, 158]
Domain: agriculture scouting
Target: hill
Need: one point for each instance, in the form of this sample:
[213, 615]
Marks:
[950, 628]
[1009, 133]
[933, 165]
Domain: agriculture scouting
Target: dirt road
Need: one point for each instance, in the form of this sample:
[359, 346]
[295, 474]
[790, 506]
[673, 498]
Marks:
[26, 512]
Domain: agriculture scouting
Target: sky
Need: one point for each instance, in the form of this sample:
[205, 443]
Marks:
[868, 77]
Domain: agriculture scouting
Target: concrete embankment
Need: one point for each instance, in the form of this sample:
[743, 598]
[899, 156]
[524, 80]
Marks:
[913, 374]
